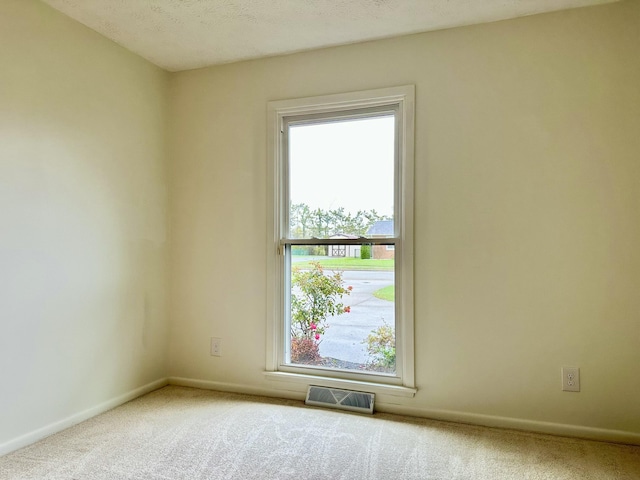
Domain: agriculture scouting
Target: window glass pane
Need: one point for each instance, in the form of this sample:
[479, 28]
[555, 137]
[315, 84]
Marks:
[342, 308]
[341, 176]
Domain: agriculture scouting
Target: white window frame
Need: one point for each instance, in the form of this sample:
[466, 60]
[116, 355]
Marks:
[401, 100]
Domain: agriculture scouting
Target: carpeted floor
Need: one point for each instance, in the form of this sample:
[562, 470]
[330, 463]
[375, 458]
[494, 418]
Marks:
[184, 433]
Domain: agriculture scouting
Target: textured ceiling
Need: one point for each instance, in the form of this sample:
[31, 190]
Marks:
[185, 34]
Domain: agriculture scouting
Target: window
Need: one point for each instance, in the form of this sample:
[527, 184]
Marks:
[340, 240]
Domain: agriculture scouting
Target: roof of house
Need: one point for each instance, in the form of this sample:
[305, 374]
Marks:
[381, 227]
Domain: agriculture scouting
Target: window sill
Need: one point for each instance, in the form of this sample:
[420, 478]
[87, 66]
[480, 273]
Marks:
[377, 388]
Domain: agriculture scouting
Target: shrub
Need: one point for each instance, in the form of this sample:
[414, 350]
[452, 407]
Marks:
[381, 347]
[320, 250]
[314, 297]
[305, 351]
[365, 252]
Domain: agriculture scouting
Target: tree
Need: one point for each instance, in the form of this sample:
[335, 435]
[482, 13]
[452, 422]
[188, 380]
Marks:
[306, 223]
[300, 218]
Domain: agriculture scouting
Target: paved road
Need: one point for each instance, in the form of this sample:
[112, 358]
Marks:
[343, 339]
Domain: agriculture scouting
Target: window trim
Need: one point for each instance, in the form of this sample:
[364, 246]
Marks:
[401, 98]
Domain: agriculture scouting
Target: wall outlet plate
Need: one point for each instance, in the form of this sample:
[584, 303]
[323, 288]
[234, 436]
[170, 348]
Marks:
[216, 346]
[571, 379]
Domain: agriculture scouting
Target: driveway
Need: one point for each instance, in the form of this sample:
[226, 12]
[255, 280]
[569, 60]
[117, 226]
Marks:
[343, 339]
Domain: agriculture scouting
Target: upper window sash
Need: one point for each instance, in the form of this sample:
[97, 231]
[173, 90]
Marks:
[323, 118]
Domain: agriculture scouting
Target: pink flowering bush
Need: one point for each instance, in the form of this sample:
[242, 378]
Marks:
[314, 297]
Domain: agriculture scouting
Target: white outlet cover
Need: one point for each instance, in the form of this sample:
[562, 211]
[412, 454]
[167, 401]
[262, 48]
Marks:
[216, 346]
[570, 379]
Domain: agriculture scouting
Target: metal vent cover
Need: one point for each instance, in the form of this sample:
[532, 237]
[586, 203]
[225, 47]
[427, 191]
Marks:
[341, 399]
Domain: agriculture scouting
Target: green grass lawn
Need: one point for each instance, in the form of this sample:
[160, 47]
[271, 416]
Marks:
[386, 293]
[346, 263]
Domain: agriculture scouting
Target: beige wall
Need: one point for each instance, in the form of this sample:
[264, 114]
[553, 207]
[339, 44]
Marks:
[83, 234]
[526, 212]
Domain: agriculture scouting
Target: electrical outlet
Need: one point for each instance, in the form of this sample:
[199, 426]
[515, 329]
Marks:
[571, 379]
[216, 347]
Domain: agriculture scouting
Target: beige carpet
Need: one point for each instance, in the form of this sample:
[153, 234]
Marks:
[184, 433]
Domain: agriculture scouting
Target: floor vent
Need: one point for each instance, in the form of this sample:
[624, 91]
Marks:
[343, 399]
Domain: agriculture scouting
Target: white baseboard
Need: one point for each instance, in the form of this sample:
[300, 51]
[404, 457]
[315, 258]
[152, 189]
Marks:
[76, 418]
[535, 426]
[235, 388]
[560, 429]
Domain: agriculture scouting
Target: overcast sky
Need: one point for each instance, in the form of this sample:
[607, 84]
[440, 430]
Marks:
[343, 164]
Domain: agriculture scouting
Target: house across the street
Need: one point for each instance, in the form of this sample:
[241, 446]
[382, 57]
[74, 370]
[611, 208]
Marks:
[381, 229]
